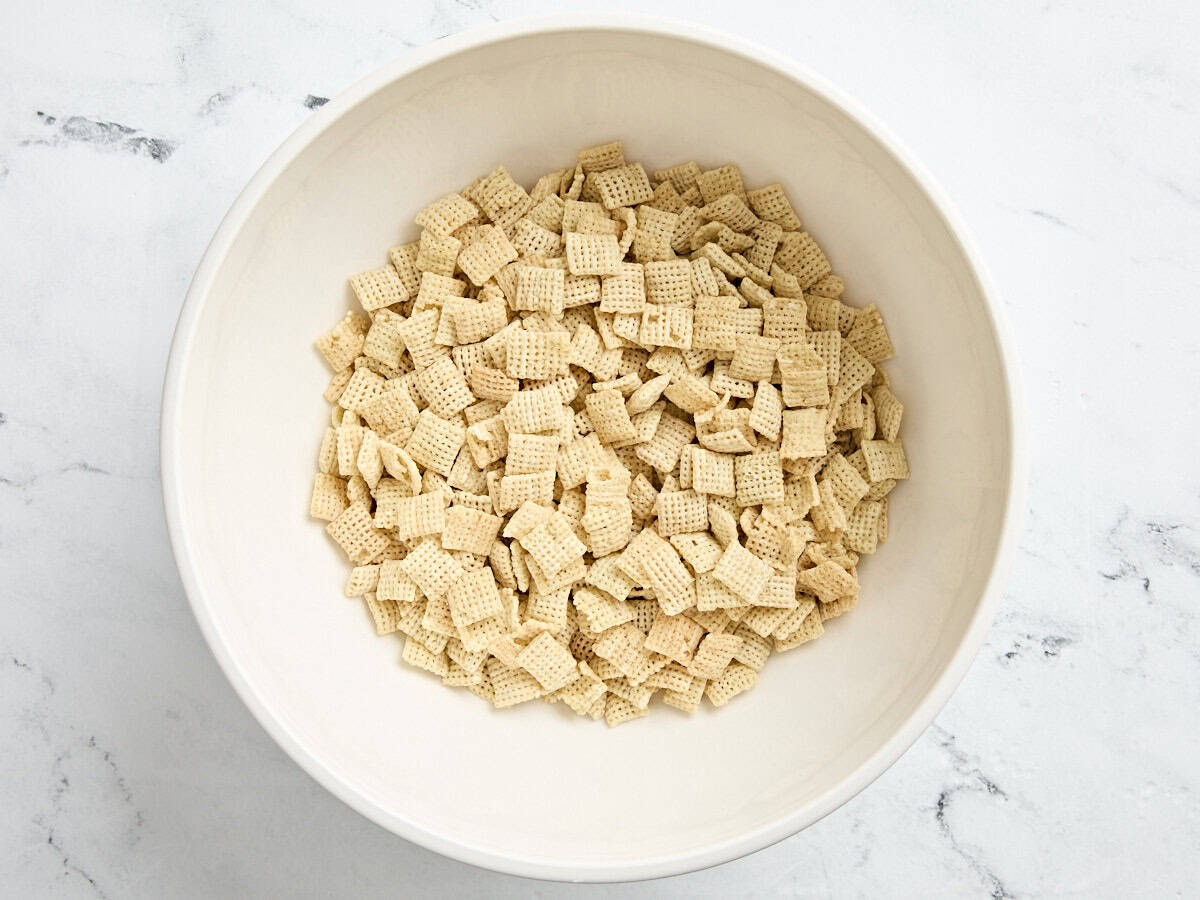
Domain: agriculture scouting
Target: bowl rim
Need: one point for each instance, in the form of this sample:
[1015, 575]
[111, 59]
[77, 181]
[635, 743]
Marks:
[532, 866]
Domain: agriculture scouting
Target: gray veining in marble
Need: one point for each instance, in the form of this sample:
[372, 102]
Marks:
[1067, 763]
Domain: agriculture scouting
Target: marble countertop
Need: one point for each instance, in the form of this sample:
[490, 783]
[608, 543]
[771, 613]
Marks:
[1067, 762]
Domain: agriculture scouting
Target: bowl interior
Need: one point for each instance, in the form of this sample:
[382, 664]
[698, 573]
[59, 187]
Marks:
[534, 789]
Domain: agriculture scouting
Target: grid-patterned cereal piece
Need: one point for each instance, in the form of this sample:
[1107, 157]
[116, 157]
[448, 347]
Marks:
[541, 289]
[675, 637]
[511, 685]
[531, 453]
[581, 290]
[419, 332]
[680, 512]
[689, 222]
[553, 545]
[435, 442]
[742, 572]
[665, 573]
[623, 646]
[437, 618]
[548, 661]
[755, 648]
[431, 568]
[669, 281]
[437, 254]
[624, 292]
[799, 254]
[447, 214]
[723, 180]
[337, 384]
[655, 229]
[487, 253]
[699, 550]
[854, 372]
[383, 341]
[712, 594]
[712, 473]
[355, 532]
[885, 459]
[759, 478]
[497, 191]
[593, 254]
[487, 441]
[662, 451]
[531, 239]
[517, 489]
[716, 324]
[691, 394]
[363, 387]
[475, 320]
[810, 628]
[665, 326]
[362, 580]
[771, 203]
[618, 710]
[828, 581]
[539, 355]
[492, 384]
[766, 240]
[723, 383]
[704, 282]
[803, 385]
[754, 358]
[848, 485]
[602, 157]
[736, 679]
[829, 286]
[682, 176]
[869, 335]
[328, 497]
[533, 411]
[766, 415]
[385, 613]
[470, 529]
[394, 583]
[888, 412]
[687, 700]
[349, 442]
[473, 596]
[417, 654]
[377, 288]
[416, 516]
[444, 388]
[548, 213]
[576, 457]
[607, 413]
[404, 261]
[599, 609]
[862, 527]
[803, 434]
[625, 185]
[341, 344]
[666, 198]
[714, 654]
[550, 607]
[577, 212]
[731, 210]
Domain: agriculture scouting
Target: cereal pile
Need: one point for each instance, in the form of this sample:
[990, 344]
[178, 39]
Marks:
[608, 438]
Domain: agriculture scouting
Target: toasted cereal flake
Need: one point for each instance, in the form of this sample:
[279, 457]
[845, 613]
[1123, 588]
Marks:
[736, 679]
[742, 572]
[885, 459]
[592, 254]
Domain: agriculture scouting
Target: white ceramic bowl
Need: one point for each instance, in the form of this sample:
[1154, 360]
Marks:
[535, 791]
